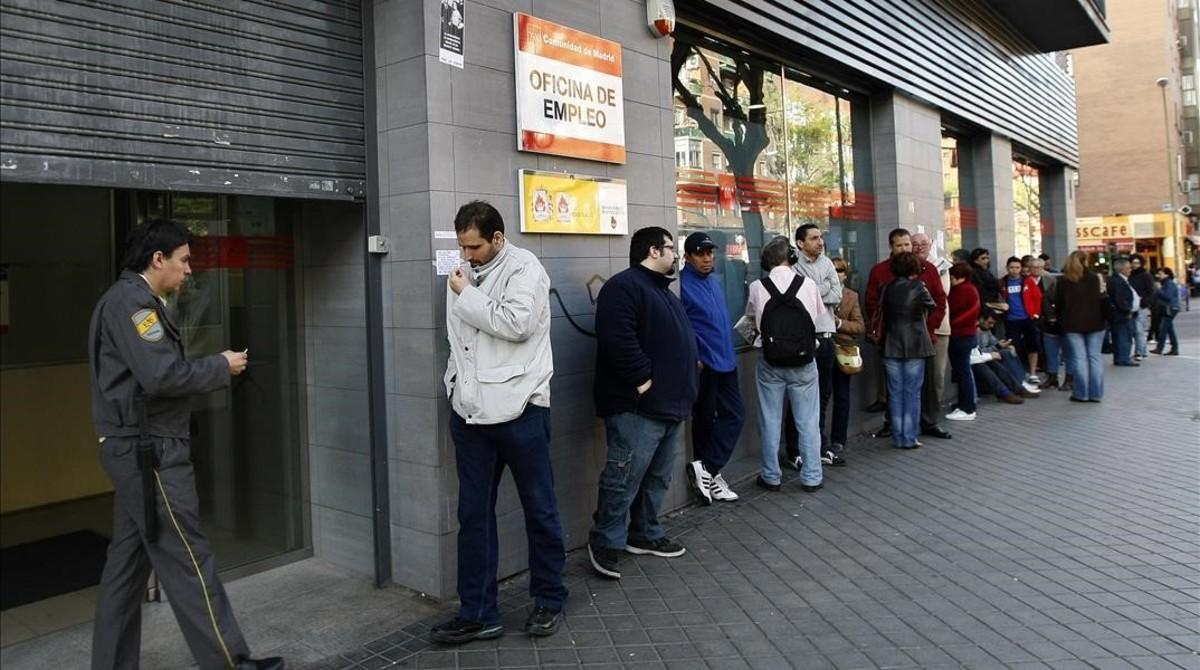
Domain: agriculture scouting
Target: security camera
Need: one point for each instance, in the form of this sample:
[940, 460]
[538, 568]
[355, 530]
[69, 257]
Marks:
[1186, 210]
[1162, 82]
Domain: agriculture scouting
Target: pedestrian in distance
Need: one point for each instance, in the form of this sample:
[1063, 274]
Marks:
[498, 382]
[782, 304]
[1122, 313]
[1143, 284]
[142, 391]
[646, 384]
[718, 414]
[1168, 297]
[964, 307]
[906, 346]
[1080, 295]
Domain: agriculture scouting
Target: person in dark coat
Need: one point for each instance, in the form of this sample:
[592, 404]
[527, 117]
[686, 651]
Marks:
[1123, 302]
[647, 380]
[1143, 284]
[142, 392]
[1079, 303]
[906, 346]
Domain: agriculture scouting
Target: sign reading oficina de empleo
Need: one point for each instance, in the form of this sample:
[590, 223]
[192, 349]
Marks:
[569, 95]
[554, 202]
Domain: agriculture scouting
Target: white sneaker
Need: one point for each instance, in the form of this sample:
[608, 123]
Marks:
[720, 490]
[1031, 387]
[702, 481]
[797, 463]
[959, 415]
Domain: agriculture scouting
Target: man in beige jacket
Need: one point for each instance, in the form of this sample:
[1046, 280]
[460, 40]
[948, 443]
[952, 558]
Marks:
[498, 383]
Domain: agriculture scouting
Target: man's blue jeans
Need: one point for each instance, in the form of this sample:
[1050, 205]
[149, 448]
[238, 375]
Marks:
[800, 386]
[960, 364]
[482, 452]
[904, 379]
[1052, 346]
[1166, 332]
[1122, 341]
[717, 419]
[1139, 334]
[637, 473]
[1086, 365]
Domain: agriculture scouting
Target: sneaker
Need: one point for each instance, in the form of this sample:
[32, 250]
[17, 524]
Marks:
[604, 561]
[458, 631]
[795, 463]
[812, 488]
[660, 547]
[1032, 388]
[720, 490]
[884, 431]
[959, 415]
[829, 457]
[764, 484]
[543, 622]
[701, 481]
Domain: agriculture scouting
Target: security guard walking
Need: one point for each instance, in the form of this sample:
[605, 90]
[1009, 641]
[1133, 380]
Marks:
[141, 384]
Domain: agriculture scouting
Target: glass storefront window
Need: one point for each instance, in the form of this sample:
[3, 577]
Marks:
[1027, 209]
[952, 194]
[760, 149]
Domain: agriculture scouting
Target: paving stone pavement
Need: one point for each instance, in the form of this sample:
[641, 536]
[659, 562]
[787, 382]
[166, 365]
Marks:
[1048, 535]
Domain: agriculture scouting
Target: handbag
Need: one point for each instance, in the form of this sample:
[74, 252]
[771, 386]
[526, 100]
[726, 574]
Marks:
[978, 356]
[849, 358]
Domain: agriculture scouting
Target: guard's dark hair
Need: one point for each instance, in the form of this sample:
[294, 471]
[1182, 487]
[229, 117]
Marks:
[154, 235]
[775, 253]
[481, 216]
[961, 270]
[802, 231]
[1167, 271]
[1044, 256]
[644, 240]
[897, 232]
[1138, 258]
[976, 253]
[905, 265]
[1013, 259]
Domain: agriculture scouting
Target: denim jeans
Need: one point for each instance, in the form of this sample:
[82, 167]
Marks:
[1052, 347]
[904, 378]
[840, 419]
[1013, 364]
[1086, 365]
[1166, 332]
[1122, 341]
[637, 473]
[1139, 334]
[826, 361]
[960, 363]
[800, 386]
[482, 452]
[992, 377]
[717, 419]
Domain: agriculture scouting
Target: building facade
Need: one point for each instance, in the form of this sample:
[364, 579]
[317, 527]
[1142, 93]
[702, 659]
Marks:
[288, 137]
[1139, 141]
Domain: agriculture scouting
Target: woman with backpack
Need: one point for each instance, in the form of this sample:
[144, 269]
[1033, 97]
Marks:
[783, 305]
[906, 346]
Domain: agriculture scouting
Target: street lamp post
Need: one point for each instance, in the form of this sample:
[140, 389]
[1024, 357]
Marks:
[1170, 232]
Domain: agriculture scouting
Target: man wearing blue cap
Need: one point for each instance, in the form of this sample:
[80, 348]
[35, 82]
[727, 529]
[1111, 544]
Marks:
[718, 414]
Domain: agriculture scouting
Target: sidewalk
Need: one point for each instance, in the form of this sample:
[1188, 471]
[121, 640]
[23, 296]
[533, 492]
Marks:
[1050, 534]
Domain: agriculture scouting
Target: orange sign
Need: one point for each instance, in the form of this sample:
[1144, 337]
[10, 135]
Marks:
[1094, 232]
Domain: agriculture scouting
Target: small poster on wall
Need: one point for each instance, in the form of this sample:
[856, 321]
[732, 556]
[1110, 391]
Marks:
[454, 23]
[553, 202]
[569, 95]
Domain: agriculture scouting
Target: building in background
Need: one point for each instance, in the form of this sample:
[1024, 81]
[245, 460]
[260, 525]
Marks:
[289, 134]
[1139, 138]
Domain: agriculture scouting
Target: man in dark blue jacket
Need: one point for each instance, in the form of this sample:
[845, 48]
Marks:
[718, 414]
[646, 384]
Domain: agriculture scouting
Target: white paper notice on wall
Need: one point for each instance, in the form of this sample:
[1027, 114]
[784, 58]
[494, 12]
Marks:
[454, 24]
[446, 260]
[445, 235]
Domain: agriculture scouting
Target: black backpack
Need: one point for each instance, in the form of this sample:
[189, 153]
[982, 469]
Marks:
[789, 338]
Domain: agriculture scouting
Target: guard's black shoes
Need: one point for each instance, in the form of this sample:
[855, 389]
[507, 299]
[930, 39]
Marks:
[458, 631]
[270, 663]
[604, 561]
[661, 547]
[936, 431]
[543, 622]
[764, 484]
[884, 431]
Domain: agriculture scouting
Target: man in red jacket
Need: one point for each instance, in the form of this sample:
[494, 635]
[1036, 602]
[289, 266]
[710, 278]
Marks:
[900, 241]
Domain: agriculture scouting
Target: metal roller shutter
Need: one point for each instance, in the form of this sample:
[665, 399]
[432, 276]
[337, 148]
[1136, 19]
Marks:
[261, 96]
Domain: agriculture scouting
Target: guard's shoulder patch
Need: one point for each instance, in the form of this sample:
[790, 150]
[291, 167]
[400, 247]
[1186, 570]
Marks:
[147, 324]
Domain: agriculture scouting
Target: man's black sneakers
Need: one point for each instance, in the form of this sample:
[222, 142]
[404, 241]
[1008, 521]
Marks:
[764, 484]
[604, 561]
[543, 622]
[660, 547]
[831, 457]
[458, 631]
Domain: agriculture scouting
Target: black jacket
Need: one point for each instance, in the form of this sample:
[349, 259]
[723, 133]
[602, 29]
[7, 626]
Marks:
[906, 304]
[135, 348]
[988, 285]
[643, 332]
[1143, 285]
[1120, 298]
[1080, 305]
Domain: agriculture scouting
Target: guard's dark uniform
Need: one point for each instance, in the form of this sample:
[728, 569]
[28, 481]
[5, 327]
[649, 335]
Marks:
[136, 350]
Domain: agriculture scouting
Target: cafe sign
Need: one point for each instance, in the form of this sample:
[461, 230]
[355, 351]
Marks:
[1095, 232]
